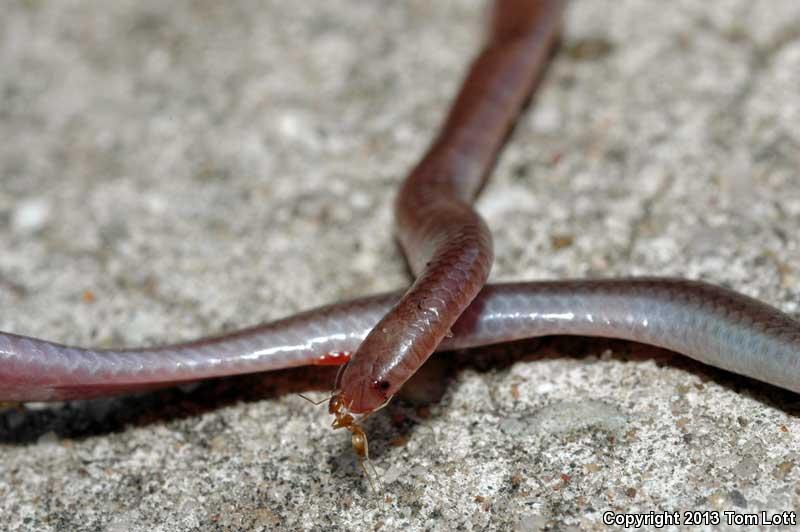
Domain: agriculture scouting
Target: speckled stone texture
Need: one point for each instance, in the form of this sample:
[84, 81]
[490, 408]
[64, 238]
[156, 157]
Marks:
[175, 169]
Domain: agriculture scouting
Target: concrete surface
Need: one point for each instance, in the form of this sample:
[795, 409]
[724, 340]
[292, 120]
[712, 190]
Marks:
[169, 170]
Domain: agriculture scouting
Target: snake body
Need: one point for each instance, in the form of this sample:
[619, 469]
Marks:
[448, 245]
[708, 323]
[448, 306]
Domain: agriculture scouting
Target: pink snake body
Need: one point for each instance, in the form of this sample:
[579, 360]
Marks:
[448, 245]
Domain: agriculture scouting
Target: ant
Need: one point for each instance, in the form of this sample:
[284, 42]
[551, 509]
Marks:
[343, 419]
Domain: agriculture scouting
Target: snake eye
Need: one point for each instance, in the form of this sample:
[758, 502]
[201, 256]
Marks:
[381, 384]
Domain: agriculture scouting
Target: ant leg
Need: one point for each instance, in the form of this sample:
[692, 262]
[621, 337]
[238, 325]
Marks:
[361, 448]
[365, 415]
[366, 473]
[374, 472]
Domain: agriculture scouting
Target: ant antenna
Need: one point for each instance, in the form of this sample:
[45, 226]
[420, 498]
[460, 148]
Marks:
[334, 390]
[316, 403]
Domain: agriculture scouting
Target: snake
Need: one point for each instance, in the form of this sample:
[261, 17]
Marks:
[381, 340]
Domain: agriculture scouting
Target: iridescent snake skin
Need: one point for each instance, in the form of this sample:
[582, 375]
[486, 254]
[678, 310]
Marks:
[708, 323]
[448, 307]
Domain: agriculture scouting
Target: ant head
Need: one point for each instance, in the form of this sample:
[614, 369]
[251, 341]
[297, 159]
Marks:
[336, 405]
